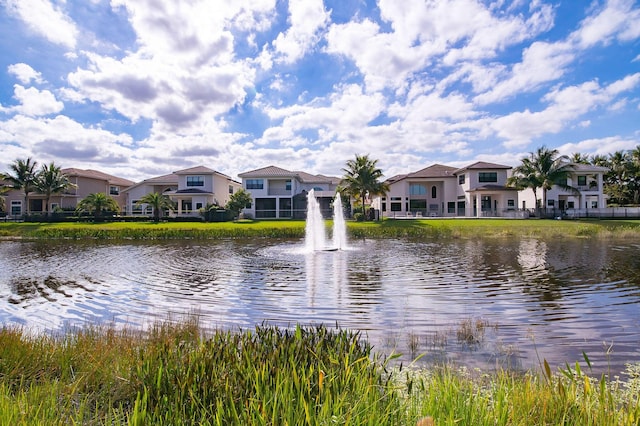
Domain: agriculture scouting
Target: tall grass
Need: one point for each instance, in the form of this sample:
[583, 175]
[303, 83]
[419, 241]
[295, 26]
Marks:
[425, 228]
[177, 374]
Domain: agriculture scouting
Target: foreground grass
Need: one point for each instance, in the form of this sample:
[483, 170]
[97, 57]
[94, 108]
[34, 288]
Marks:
[446, 228]
[175, 375]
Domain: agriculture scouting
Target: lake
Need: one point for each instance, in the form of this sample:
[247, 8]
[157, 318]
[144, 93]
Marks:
[484, 303]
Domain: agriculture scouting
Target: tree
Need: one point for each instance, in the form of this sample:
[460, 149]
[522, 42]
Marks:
[3, 190]
[158, 202]
[22, 176]
[579, 158]
[238, 201]
[362, 178]
[50, 180]
[543, 169]
[97, 204]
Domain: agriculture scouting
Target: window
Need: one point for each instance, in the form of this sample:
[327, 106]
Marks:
[54, 206]
[16, 208]
[396, 198]
[195, 180]
[186, 206]
[451, 207]
[461, 179]
[551, 203]
[417, 205]
[230, 189]
[488, 177]
[434, 192]
[511, 203]
[570, 204]
[198, 206]
[255, 184]
[594, 204]
[287, 185]
[417, 189]
[396, 207]
[582, 181]
[114, 190]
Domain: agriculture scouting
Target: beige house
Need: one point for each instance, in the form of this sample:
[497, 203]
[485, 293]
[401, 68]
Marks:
[476, 190]
[84, 182]
[281, 193]
[191, 189]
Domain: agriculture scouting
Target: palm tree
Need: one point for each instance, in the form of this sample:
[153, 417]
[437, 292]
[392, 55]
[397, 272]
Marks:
[49, 181]
[22, 176]
[3, 190]
[97, 204]
[158, 203]
[238, 201]
[543, 169]
[362, 177]
[617, 177]
[579, 158]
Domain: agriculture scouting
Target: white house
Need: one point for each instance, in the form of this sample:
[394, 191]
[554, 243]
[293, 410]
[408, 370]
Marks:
[281, 193]
[444, 191]
[191, 189]
[483, 187]
[586, 178]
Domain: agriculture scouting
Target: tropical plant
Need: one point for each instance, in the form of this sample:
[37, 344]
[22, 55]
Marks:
[97, 203]
[542, 170]
[49, 181]
[362, 178]
[22, 175]
[3, 190]
[238, 201]
[158, 202]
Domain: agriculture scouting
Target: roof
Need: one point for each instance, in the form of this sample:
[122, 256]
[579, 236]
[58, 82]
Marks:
[190, 191]
[433, 171]
[95, 174]
[274, 171]
[269, 171]
[196, 170]
[579, 167]
[483, 165]
[170, 179]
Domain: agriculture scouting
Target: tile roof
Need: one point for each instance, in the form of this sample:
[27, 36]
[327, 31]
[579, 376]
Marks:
[95, 174]
[482, 165]
[197, 169]
[273, 171]
[433, 171]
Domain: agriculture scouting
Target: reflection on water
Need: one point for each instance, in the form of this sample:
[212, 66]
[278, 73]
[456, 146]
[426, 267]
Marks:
[527, 298]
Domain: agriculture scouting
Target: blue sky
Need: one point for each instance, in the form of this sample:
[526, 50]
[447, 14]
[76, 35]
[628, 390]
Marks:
[143, 88]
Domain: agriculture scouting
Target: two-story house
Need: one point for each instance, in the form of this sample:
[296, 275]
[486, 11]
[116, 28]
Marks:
[427, 192]
[483, 187]
[478, 189]
[191, 189]
[587, 179]
[281, 193]
[84, 182]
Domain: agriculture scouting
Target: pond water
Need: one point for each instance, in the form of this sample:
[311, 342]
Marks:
[481, 302]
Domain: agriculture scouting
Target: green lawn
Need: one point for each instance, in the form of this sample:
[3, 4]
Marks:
[456, 228]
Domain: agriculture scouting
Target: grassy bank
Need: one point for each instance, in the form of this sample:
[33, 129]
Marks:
[434, 228]
[175, 374]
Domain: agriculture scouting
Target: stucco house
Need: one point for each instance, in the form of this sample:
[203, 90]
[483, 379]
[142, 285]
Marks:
[191, 189]
[586, 178]
[281, 193]
[84, 182]
[445, 191]
[485, 192]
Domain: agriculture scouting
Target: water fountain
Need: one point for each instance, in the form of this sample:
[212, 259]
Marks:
[315, 239]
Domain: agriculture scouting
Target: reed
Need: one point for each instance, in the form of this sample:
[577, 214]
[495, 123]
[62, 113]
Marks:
[177, 373]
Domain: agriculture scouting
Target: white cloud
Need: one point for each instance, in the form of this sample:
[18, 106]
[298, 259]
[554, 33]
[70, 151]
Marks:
[24, 73]
[565, 106]
[33, 102]
[617, 19]
[599, 146]
[46, 20]
[307, 18]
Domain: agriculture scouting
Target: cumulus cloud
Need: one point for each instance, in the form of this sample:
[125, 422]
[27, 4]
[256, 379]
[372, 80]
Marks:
[24, 73]
[306, 18]
[45, 19]
[33, 102]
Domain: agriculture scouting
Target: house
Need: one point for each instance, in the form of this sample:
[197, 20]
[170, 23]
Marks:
[444, 191]
[84, 182]
[589, 182]
[191, 189]
[427, 192]
[483, 187]
[280, 193]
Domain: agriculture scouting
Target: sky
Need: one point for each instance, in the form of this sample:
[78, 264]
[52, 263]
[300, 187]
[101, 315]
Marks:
[142, 88]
